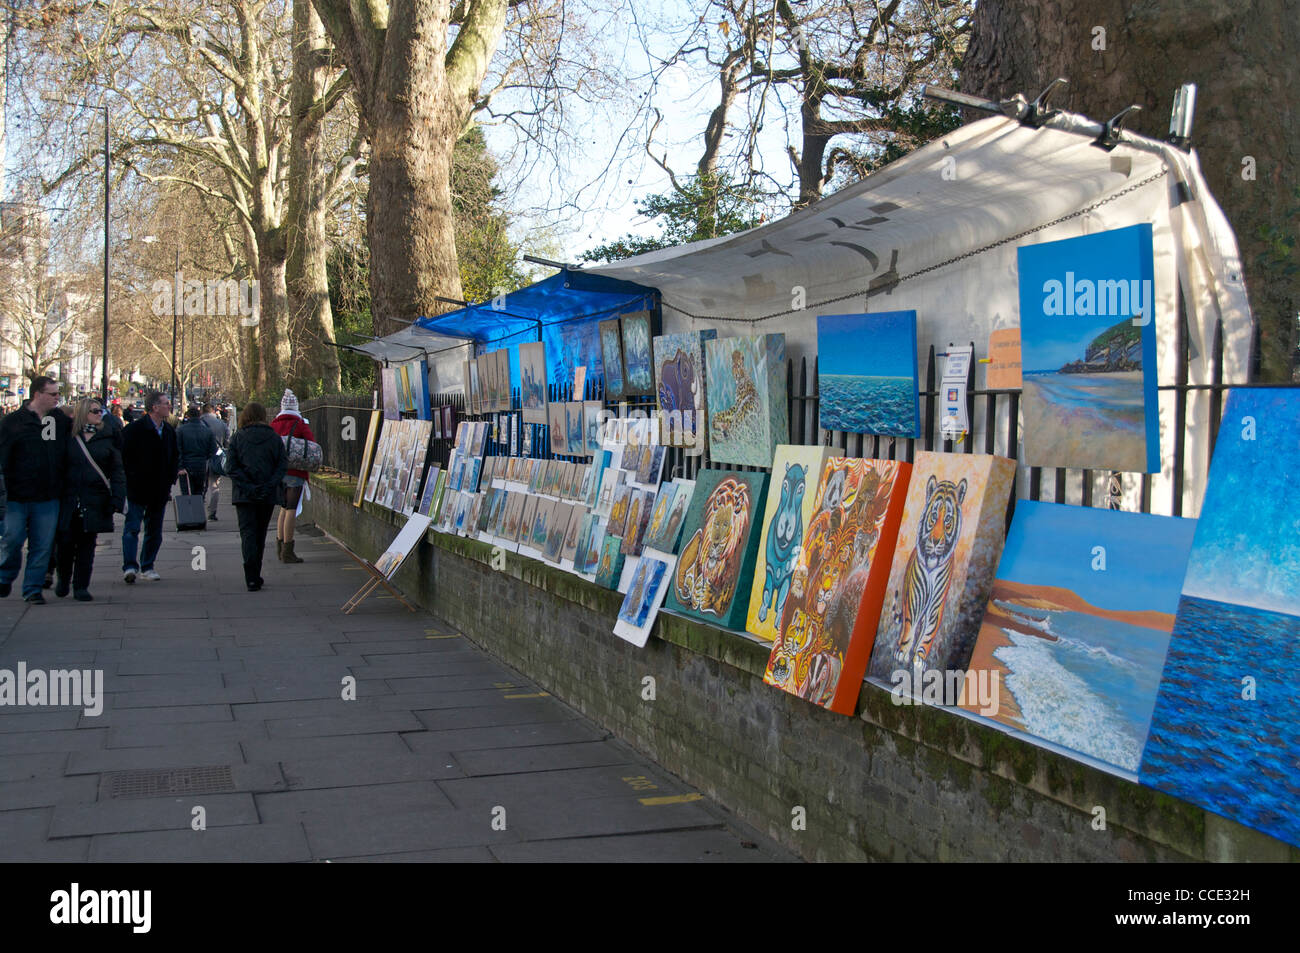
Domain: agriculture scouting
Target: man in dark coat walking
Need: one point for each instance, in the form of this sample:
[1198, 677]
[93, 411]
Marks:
[152, 460]
[33, 440]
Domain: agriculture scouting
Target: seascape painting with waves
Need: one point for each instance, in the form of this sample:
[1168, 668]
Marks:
[1079, 623]
[1225, 734]
[867, 373]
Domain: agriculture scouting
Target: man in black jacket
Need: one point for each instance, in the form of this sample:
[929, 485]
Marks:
[33, 440]
[151, 459]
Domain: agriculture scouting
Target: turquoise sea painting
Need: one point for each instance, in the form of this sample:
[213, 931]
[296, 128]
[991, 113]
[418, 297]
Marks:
[867, 373]
[1226, 730]
[749, 412]
[1088, 352]
[1078, 624]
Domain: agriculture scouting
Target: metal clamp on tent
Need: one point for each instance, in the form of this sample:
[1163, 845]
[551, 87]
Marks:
[1033, 115]
[1109, 137]
[1037, 113]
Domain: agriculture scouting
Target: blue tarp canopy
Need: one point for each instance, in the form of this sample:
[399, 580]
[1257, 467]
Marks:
[562, 311]
[563, 297]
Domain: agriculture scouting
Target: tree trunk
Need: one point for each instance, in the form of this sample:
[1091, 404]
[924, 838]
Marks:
[1241, 57]
[306, 278]
[273, 327]
[415, 97]
[413, 129]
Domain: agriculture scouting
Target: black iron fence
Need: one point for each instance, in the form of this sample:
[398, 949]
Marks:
[339, 422]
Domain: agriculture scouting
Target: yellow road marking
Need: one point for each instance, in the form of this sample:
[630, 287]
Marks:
[504, 685]
[442, 636]
[533, 695]
[672, 799]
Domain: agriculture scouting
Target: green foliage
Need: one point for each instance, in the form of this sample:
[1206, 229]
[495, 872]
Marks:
[913, 127]
[701, 207]
[489, 260]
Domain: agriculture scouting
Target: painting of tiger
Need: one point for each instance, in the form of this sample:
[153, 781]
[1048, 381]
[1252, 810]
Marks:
[929, 571]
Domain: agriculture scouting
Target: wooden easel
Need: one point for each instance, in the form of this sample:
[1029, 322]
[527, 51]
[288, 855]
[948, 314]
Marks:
[376, 580]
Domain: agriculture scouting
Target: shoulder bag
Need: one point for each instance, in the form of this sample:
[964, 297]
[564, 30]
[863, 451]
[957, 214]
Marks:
[303, 454]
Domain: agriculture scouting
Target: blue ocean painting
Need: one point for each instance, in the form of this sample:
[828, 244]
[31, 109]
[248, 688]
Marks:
[1079, 623]
[1088, 350]
[867, 373]
[1226, 730]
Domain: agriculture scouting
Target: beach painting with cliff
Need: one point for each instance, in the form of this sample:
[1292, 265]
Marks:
[1088, 352]
[1078, 625]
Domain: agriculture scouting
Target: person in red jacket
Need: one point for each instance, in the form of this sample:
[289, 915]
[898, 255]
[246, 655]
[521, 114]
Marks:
[290, 423]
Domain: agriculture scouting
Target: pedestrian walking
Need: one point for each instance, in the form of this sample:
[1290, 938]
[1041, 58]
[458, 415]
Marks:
[151, 459]
[290, 423]
[94, 489]
[256, 464]
[220, 433]
[196, 445]
[113, 426]
[33, 439]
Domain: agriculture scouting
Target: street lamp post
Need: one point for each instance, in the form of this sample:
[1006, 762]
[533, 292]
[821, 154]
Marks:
[176, 314]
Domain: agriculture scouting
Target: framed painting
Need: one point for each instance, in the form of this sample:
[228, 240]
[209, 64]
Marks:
[780, 543]
[749, 412]
[1070, 652]
[1217, 739]
[532, 382]
[948, 549]
[638, 367]
[611, 349]
[679, 377]
[868, 389]
[720, 547]
[1088, 352]
[828, 621]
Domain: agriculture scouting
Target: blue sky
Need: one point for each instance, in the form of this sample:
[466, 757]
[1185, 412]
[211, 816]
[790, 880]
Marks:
[878, 345]
[1049, 341]
[1051, 544]
[1248, 541]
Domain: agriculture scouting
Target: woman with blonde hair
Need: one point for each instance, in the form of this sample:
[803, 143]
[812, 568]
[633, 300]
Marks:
[94, 489]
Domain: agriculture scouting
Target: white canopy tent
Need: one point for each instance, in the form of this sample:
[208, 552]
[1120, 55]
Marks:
[444, 354]
[937, 232]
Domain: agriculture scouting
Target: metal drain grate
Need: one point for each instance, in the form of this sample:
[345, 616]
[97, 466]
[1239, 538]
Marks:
[215, 779]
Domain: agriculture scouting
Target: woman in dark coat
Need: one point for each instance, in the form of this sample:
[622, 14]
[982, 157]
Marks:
[256, 463]
[90, 497]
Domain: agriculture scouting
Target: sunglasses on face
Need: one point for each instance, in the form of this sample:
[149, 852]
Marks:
[96, 410]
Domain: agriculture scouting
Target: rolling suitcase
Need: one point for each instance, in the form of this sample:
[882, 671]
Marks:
[190, 511]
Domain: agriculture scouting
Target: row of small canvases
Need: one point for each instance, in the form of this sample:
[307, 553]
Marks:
[406, 388]
[487, 382]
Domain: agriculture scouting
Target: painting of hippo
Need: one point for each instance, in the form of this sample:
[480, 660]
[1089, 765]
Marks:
[783, 540]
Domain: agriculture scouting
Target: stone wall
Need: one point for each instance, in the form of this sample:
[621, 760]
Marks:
[894, 783]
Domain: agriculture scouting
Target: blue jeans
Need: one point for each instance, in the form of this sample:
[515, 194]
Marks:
[151, 515]
[35, 524]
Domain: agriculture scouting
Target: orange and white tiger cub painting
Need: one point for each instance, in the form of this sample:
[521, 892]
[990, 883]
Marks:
[943, 569]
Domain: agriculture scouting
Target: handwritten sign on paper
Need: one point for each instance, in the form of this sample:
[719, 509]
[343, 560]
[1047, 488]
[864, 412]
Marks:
[1004, 360]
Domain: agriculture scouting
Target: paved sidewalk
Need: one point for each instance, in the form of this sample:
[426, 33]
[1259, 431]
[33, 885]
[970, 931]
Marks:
[230, 701]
